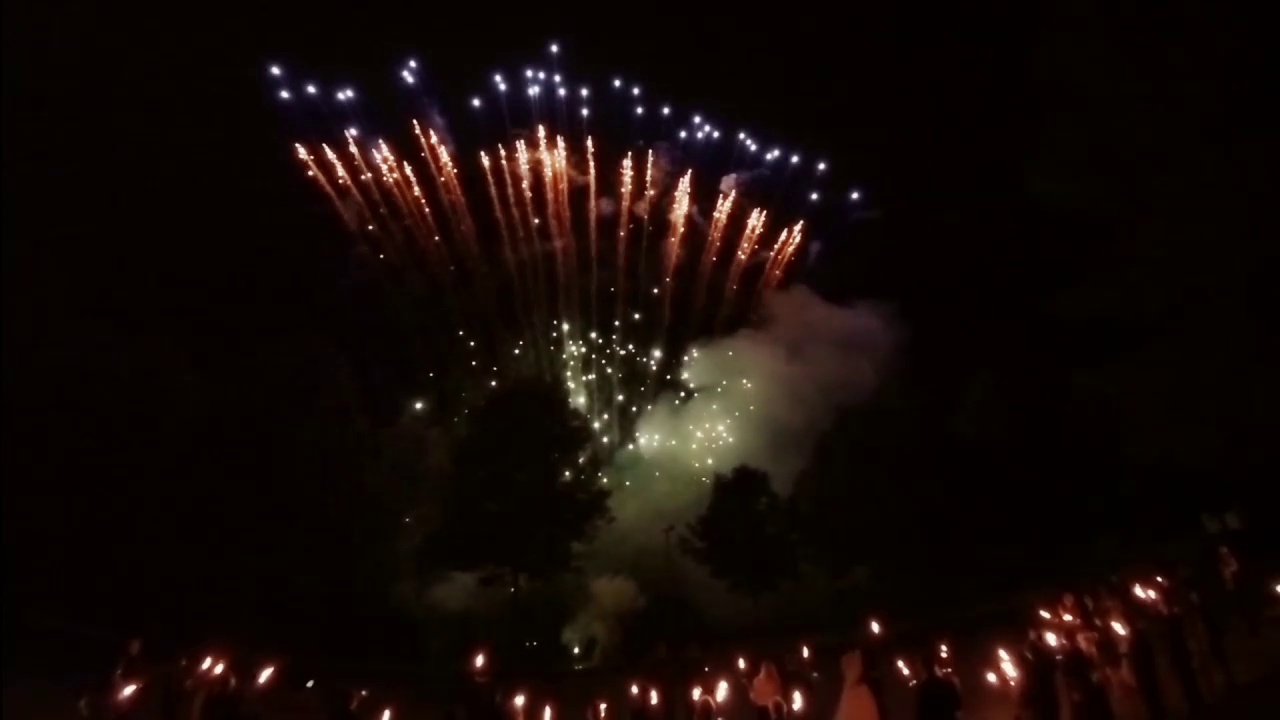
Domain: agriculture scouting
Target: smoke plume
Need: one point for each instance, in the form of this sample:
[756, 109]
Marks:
[772, 389]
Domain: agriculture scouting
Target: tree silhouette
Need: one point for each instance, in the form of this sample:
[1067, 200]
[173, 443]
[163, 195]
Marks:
[744, 537]
[520, 496]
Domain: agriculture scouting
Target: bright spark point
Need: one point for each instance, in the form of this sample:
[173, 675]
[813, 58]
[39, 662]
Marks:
[584, 112]
[813, 196]
[555, 48]
[666, 110]
[684, 134]
[584, 92]
[528, 74]
[855, 196]
[617, 83]
[795, 159]
[497, 78]
[311, 90]
[542, 75]
[413, 63]
[635, 90]
[697, 119]
[560, 92]
[556, 78]
[284, 95]
[742, 136]
[475, 102]
[639, 110]
[275, 70]
[822, 167]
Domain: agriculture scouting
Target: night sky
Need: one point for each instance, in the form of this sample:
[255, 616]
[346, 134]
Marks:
[1067, 220]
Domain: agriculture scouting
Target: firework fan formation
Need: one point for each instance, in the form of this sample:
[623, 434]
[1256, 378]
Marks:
[574, 242]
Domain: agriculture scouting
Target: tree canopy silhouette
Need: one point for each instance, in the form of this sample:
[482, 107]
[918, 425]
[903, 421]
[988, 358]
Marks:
[519, 497]
[744, 537]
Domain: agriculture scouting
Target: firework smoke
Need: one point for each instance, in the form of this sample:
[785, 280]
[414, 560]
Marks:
[611, 600]
[601, 267]
[800, 366]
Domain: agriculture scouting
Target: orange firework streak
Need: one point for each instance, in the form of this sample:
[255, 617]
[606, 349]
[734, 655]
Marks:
[644, 233]
[445, 176]
[313, 171]
[399, 208]
[438, 253]
[412, 201]
[746, 246]
[591, 239]
[497, 213]
[538, 311]
[518, 300]
[719, 220]
[624, 217]
[521, 232]
[507, 184]
[391, 176]
[591, 224]
[432, 242]
[344, 178]
[443, 170]
[566, 216]
[783, 251]
[450, 176]
[553, 220]
[441, 188]
[370, 183]
[526, 186]
[679, 213]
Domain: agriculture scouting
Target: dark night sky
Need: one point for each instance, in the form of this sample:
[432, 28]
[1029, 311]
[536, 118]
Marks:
[1069, 228]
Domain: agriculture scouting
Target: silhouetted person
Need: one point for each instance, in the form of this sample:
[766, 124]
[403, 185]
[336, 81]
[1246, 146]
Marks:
[856, 699]
[705, 709]
[1108, 649]
[170, 690]
[1142, 661]
[1087, 696]
[1039, 698]
[766, 691]
[1214, 613]
[222, 702]
[482, 701]
[1183, 667]
[937, 698]
[873, 667]
[130, 669]
[1069, 611]
[338, 704]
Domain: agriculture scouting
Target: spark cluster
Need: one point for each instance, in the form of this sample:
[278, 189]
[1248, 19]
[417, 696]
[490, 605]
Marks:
[540, 264]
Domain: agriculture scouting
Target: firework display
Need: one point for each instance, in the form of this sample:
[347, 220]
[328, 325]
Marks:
[556, 248]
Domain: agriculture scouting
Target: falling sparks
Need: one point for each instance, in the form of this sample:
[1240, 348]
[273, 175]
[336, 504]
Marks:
[531, 271]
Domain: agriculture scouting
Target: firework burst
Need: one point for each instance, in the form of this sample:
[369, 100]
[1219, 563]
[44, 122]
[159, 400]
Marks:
[530, 254]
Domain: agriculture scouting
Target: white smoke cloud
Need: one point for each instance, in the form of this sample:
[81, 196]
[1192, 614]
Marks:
[611, 600]
[764, 396]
